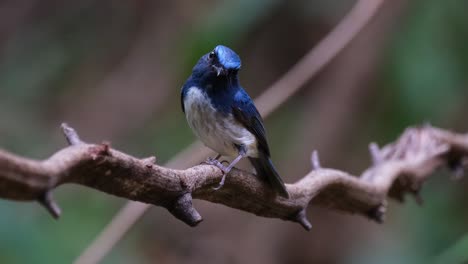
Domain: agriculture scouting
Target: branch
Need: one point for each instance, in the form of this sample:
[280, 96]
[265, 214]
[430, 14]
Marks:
[398, 168]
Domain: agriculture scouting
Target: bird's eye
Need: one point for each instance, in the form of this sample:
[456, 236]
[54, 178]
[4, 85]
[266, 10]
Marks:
[211, 55]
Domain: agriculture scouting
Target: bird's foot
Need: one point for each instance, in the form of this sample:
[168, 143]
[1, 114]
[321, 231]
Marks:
[224, 169]
[225, 161]
[219, 164]
[212, 161]
[215, 162]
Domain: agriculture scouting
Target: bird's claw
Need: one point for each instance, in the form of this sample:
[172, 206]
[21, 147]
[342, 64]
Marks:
[221, 183]
[224, 169]
[211, 161]
[217, 163]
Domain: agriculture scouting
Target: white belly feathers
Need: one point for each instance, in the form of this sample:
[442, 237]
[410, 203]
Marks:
[217, 131]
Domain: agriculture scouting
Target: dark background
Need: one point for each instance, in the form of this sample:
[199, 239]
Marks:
[113, 70]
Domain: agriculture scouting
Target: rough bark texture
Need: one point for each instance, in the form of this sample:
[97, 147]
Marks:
[397, 168]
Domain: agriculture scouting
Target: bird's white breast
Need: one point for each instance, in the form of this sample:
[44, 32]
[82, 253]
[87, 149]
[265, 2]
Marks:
[220, 132]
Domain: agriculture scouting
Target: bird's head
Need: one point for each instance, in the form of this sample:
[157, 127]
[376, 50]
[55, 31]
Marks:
[221, 61]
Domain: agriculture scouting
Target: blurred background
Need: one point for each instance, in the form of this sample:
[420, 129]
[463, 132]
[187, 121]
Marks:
[113, 70]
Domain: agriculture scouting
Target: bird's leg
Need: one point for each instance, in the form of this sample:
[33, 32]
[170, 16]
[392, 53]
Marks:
[227, 169]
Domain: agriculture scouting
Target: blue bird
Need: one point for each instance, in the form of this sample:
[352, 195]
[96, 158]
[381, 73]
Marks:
[224, 117]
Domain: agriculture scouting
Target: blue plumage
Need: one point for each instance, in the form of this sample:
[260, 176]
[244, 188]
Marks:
[227, 57]
[224, 117]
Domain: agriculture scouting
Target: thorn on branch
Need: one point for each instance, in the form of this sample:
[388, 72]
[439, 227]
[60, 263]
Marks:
[375, 153]
[301, 218]
[314, 158]
[48, 202]
[183, 210]
[71, 135]
[378, 213]
[149, 162]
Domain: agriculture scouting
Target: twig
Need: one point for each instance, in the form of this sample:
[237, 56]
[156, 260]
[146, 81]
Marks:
[70, 135]
[314, 159]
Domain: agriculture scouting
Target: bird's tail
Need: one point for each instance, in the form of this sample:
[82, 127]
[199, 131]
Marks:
[265, 168]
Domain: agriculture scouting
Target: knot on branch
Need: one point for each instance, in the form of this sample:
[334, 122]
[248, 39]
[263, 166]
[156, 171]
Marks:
[101, 150]
[182, 208]
[301, 218]
[378, 213]
[46, 199]
[149, 161]
[455, 164]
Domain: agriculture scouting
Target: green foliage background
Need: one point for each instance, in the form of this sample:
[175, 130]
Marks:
[61, 52]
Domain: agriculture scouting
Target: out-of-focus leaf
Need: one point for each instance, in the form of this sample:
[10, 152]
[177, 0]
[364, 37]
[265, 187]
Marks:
[425, 69]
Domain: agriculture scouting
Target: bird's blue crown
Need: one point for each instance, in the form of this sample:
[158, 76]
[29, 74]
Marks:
[227, 57]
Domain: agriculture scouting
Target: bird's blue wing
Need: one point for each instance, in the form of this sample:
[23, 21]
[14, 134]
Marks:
[246, 113]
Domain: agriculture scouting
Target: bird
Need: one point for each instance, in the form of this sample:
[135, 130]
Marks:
[223, 116]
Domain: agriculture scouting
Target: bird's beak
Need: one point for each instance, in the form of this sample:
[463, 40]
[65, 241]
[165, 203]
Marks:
[219, 70]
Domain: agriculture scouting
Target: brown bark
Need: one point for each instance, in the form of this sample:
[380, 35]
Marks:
[397, 168]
